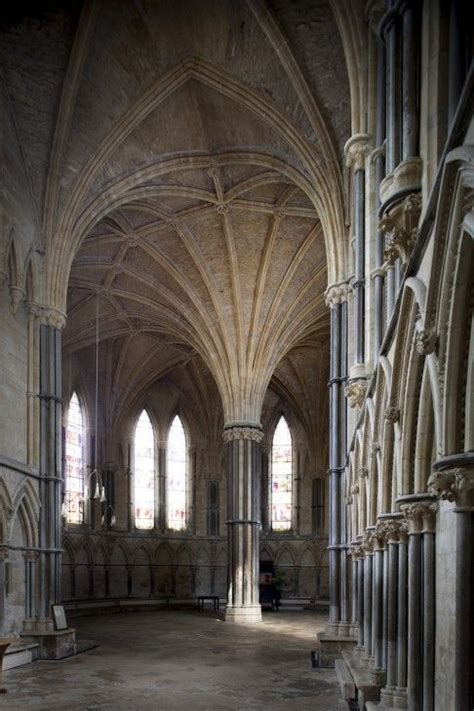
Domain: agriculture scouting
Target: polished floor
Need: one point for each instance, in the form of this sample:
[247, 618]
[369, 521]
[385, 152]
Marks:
[182, 660]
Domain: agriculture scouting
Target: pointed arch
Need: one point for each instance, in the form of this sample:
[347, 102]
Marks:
[176, 476]
[74, 461]
[282, 477]
[144, 472]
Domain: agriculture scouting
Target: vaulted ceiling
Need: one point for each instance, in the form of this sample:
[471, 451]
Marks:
[185, 164]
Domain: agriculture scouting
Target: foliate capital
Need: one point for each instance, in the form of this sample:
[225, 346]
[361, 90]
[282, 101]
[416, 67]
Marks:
[336, 294]
[425, 342]
[51, 316]
[421, 516]
[357, 148]
[242, 432]
[400, 224]
[355, 392]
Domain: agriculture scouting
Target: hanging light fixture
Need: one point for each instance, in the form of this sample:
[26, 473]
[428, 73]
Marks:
[99, 491]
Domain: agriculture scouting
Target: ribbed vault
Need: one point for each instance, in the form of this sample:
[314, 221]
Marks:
[229, 260]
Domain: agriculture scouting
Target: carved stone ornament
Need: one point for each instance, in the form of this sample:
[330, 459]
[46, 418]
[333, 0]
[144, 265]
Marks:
[442, 485]
[355, 489]
[355, 392]
[357, 148]
[348, 500]
[49, 316]
[400, 225]
[17, 295]
[222, 209]
[392, 414]
[363, 473]
[242, 432]
[374, 448]
[280, 214]
[425, 342]
[421, 516]
[3, 552]
[336, 294]
[452, 484]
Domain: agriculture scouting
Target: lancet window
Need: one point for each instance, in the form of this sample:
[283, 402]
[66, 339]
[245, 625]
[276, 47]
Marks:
[74, 462]
[282, 477]
[144, 472]
[176, 476]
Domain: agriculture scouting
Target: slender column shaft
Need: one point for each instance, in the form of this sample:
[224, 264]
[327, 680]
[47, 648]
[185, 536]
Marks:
[354, 599]
[377, 607]
[386, 584]
[368, 604]
[360, 601]
[402, 618]
[359, 280]
[392, 614]
[414, 623]
[428, 620]
[334, 482]
[390, 302]
[410, 81]
[243, 472]
[393, 96]
[341, 456]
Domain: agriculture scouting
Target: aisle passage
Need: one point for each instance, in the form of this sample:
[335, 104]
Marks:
[182, 660]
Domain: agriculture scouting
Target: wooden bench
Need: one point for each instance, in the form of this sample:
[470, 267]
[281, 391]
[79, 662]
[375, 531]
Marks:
[213, 598]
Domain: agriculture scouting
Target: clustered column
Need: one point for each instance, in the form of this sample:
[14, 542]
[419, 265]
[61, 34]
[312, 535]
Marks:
[50, 467]
[243, 450]
[421, 525]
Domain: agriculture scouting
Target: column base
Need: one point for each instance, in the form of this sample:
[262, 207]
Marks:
[331, 647]
[248, 615]
[56, 644]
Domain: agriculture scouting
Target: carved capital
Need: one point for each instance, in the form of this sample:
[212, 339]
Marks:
[421, 516]
[367, 543]
[400, 225]
[17, 295]
[356, 150]
[355, 392]
[348, 500]
[132, 240]
[392, 414]
[243, 432]
[426, 342]
[50, 316]
[355, 489]
[336, 294]
[363, 473]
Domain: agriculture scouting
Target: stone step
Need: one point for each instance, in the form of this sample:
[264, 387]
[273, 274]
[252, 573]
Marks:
[345, 680]
[19, 654]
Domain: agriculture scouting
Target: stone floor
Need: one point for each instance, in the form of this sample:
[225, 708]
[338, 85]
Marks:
[182, 660]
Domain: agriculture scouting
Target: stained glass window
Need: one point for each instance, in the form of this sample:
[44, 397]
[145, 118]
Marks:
[176, 476]
[74, 474]
[144, 472]
[282, 477]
